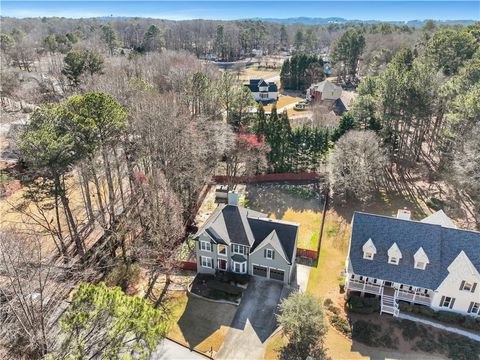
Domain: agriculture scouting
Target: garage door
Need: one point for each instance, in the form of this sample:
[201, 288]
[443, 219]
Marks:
[277, 274]
[259, 270]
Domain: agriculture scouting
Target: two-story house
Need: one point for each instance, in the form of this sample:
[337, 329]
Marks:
[263, 91]
[428, 262]
[245, 241]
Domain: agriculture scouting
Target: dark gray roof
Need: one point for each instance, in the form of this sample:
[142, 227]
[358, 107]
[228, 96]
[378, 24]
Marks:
[231, 224]
[254, 84]
[286, 233]
[442, 245]
[239, 258]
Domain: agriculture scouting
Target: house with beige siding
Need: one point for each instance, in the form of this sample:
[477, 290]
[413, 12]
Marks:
[429, 262]
[244, 241]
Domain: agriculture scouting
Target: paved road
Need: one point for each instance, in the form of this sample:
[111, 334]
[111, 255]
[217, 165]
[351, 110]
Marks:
[169, 350]
[253, 323]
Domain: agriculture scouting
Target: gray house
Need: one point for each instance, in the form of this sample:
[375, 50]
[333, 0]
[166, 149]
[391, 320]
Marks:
[245, 241]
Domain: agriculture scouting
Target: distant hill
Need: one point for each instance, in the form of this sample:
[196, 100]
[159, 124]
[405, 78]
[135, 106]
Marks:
[339, 20]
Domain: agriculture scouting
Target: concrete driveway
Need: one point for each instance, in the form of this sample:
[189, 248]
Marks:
[254, 321]
[169, 350]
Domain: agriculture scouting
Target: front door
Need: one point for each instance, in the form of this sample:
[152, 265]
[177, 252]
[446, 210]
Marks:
[222, 265]
[387, 284]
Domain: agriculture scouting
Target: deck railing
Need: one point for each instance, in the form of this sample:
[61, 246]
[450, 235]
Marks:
[414, 297]
[358, 285]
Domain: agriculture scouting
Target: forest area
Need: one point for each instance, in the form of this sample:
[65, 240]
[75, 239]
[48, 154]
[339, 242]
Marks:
[126, 122]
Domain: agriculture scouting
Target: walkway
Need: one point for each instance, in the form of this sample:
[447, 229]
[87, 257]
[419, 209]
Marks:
[437, 325]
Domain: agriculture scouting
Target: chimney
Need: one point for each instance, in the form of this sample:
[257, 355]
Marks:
[404, 214]
[233, 198]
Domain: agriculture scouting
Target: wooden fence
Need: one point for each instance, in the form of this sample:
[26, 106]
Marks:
[311, 254]
[187, 265]
[308, 176]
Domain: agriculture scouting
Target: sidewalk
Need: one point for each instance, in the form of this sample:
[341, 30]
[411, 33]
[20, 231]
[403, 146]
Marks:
[169, 350]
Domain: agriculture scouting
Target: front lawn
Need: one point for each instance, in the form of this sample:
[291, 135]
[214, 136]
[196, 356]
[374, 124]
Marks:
[197, 323]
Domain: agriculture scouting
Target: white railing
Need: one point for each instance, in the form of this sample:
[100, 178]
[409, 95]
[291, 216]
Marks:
[390, 309]
[413, 297]
[363, 286]
[389, 303]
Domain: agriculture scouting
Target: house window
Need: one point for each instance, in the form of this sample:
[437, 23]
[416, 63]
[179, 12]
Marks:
[239, 249]
[269, 254]
[474, 308]
[393, 260]
[420, 265]
[447, 302]
[205, 246]
[206, 262]
[240, 268]
[368, 255]
[221, 249]
[466, 286]
[263, 95]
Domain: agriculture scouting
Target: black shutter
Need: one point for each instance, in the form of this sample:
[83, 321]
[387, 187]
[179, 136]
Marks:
[441, 300]
[470, 307]
[462, 284]
[474, 287]
[451, 303]
[265, 253]
[273, 255]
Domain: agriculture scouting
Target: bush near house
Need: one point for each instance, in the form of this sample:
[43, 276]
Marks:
[361, 305]
[226, 288]
[467, 322]
[341, 325]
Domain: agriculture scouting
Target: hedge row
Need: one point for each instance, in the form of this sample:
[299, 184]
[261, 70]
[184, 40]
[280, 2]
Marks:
[361, 305]
[467, 322]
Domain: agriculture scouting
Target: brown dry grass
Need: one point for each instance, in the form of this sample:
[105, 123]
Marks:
[254, 72]
[198, 323]
[282, 102]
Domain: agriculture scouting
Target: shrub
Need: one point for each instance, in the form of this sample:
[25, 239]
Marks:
[327, 302]
[387, 341]
[460, 348]
[409, 328]
[450, 317]
[341, 325]
[363, 305]
[435, 203]
[125, 277]
[471, 323]
[226, 288]
[365, 332]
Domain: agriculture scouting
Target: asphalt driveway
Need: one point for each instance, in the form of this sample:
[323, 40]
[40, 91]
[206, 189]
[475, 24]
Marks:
[254, 321]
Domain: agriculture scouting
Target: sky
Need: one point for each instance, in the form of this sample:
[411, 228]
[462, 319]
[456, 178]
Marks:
[388, 10]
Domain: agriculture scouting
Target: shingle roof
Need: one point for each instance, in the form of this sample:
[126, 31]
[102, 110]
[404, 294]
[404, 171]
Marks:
[254, 85]
[442, 245]
[231, 224]
[286, 233]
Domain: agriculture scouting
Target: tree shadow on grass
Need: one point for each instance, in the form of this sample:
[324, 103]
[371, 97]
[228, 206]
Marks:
[276, 198]
[202, 318]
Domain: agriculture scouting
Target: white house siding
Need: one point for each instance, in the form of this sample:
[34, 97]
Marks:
[279, 263]
[271, 96]
[460, 270]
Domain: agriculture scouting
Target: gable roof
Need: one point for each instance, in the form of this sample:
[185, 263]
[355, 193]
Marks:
[441, 245]
[325, 85]
[275, 242]
[231, 224]
[439, 218]
[254, 85]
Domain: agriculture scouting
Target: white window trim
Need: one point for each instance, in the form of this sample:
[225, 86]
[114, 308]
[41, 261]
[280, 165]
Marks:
[467, 286]
[477, 305]
[242, 265]
[393, 260]
[269, 252]
[208, 264]
[420, 267]
[208, 247]
[367, 255]
[218, 250]
[445, 301]
[243, 250]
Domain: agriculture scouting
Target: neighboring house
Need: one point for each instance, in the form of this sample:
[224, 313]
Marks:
[324, 90]
[263, 91]
[245, 241]
[428, 262]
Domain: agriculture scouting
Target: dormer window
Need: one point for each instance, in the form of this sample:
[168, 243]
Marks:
[368, 255]
[394, 254]
[393, 260]
[369, 250]
[421, 259]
